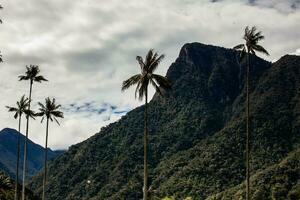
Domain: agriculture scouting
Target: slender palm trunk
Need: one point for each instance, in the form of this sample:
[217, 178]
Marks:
[45, 161]
[25, 145]
[18, 159]
[248, 133]
[145, 189]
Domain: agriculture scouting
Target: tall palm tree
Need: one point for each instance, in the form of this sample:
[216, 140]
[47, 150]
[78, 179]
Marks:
[148, 66]
[32, 75]
[251, 46]
[50, 111]
[22, 108]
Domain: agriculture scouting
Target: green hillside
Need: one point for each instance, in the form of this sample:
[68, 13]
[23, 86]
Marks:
[196, 133]
[280, 181]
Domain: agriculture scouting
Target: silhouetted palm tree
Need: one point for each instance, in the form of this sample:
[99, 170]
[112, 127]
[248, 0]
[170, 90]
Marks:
[32, 75]
[22, 108]
[48, 111]
[142, 80]
[251, 37]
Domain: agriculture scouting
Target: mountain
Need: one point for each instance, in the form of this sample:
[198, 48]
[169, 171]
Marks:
[8, 154]
[197, 133]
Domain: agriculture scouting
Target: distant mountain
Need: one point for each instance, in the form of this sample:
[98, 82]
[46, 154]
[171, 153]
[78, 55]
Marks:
[8, 154]
[197, 134]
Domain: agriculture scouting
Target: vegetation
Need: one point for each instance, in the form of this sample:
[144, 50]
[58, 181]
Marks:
[251, 38]
[142, 80]
[196, 140]
[31, 75]
[279, 181]
[22, 108]
[7, 189]
[50, 111]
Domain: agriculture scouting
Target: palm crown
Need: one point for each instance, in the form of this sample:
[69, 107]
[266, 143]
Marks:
[5, 182]
[251, 37]
[148, 66]
[50, 110]
[32, 74]
[22, 107]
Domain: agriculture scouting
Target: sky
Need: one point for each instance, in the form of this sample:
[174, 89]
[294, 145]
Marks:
[86, 48]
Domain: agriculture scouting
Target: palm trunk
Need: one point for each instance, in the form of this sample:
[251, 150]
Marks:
[18, 158]
[25, 144]
[248, 133]
[45, 161]
[145, 189]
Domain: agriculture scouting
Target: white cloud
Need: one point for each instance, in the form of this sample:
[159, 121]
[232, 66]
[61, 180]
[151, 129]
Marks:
[86, 48]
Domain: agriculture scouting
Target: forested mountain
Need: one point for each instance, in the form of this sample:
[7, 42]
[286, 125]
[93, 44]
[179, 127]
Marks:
[279, 181]
[197, 133]
[8, 154]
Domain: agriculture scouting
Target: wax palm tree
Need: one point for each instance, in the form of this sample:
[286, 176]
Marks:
[31, 75]
[50, 111]
[148, 66]
[19, 110]
[251, 46]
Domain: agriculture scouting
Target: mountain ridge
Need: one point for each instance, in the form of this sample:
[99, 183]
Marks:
[8, 153]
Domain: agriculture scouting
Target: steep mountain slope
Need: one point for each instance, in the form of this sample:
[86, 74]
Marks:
[196, 133]
[8, 154]
[279, 181]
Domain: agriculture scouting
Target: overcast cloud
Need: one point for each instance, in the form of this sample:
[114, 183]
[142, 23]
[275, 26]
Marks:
[86, 48]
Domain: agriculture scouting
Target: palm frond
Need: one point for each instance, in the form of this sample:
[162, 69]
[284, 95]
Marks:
[30, 113]
[56, 121]
[162, 81]
[39, 79]
[11, 109]
[239, 47]
[148, 58]
[57, 114]
[141, 62]
[260, 49]
[157, 89]
[131, 81]
[22, 77]
[155, 62]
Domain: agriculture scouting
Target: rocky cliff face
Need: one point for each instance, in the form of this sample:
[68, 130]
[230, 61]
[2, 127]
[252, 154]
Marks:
[196, 132]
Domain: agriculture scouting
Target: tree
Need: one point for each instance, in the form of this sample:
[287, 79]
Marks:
[251, 37]
[50, 112]
[22, 107]
[32, 75]
[148, 66]
[5, 183]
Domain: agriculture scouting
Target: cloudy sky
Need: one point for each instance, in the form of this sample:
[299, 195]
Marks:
[86, 48]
